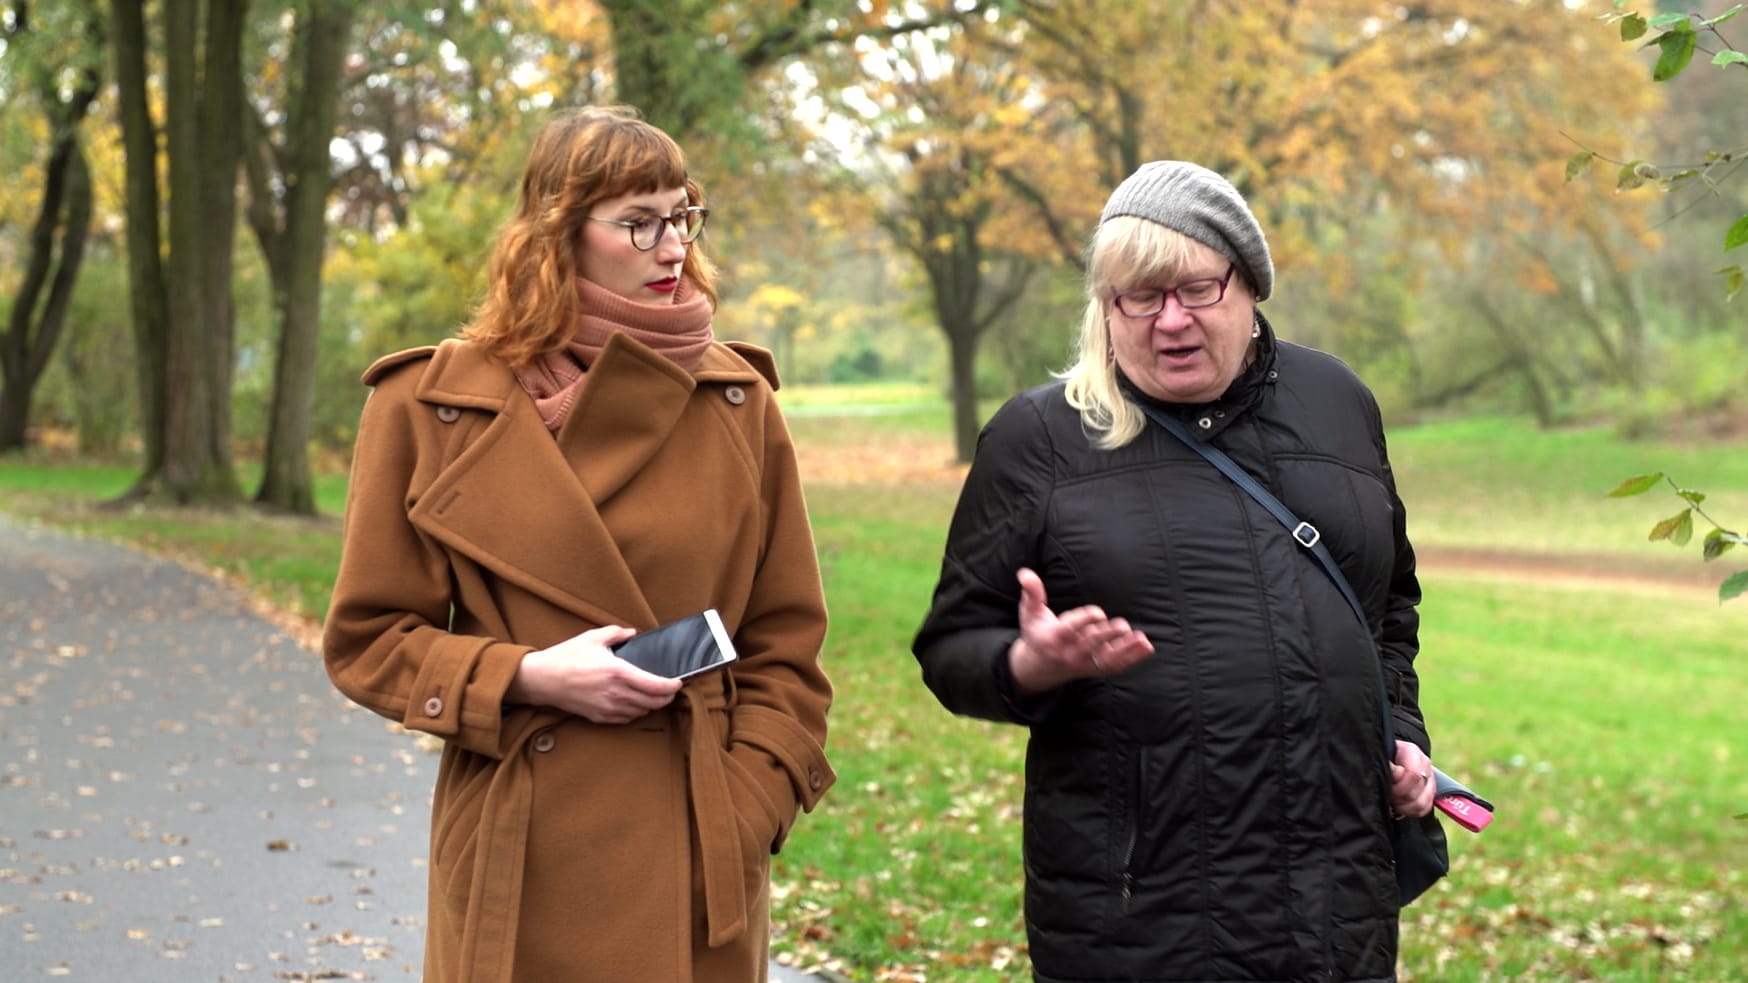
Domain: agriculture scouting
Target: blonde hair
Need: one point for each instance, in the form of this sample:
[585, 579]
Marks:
[1125, 252]
[582, 157]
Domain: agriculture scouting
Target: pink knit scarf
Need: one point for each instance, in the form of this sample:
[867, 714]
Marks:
[679, 331]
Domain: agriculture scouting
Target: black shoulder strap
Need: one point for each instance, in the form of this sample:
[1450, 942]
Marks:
[1306, 535]
[1303, 533]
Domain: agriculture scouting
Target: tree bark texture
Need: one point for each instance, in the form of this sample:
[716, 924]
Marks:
[947, 242]
[656, 71]
[203, 113]
[57, 248]
[147, 301]
[37, 320]
[295, 246]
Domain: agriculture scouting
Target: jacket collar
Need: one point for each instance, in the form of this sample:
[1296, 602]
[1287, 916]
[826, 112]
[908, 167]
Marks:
[1207, 419]
[522, 504]
[462, 374]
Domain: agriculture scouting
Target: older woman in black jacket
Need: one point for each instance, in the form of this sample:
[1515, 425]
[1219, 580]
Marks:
[1207, 795]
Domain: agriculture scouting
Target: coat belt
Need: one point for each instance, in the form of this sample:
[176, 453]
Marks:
[713, 816]
[496, 897]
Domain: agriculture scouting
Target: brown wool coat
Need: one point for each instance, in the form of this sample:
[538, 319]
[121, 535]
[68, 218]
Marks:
[563, 850]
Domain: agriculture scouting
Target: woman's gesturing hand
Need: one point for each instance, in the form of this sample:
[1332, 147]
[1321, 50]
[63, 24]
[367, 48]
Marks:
[1411, 786]
[581, 675]
[1053, 649]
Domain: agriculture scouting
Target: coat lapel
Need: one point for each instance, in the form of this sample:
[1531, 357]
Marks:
[511, 502]
[630, 403]
[631, 400]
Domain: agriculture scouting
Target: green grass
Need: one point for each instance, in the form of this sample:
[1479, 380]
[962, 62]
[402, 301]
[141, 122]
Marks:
[1605, 722]
[1601, 722]
[289, 562]
[913, 864]
[809, 400]
[1607, 725]
[1500, 483]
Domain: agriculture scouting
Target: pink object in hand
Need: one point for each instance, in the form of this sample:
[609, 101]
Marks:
[1468, 813]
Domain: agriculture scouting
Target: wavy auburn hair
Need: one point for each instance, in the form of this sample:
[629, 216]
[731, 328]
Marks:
[582, 157]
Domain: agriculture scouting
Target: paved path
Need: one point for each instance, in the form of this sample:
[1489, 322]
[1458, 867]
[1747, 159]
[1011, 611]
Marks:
[183, 796]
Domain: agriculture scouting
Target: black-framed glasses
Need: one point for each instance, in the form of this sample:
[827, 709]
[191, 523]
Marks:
[1191, 294]
[647, 232]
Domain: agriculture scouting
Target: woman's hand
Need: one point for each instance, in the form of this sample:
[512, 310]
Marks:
[1053, 649]
[582, 676]
[1411, 786]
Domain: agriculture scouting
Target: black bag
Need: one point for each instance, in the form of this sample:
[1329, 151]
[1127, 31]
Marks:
[1422, 854]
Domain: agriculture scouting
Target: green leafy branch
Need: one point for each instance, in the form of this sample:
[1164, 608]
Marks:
[1678, 528]
[1677, 36]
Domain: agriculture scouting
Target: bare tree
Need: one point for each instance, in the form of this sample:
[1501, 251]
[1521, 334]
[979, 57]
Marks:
[62, 226]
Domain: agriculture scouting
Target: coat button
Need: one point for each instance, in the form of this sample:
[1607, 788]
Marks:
[1204, 423]
[434, 707]
[815, 779]
[544, 742]
[448, 414]
[735, 395]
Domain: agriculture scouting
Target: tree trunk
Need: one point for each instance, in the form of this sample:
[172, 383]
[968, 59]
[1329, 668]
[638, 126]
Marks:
[948, 243]
[962, 350]
[36, 322]
[149, 306]
[959, 282]
[677, 94]
[203, 116]
[320, 50]
[57, 248]
[687, 80]
[14, 416]
[1524, 363]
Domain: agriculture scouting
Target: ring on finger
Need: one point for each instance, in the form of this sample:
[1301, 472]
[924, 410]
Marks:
[1095, 662]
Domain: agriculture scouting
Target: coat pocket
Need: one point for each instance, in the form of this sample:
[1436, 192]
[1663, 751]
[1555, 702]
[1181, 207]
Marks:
[773, 747]
[758, 822]
[457, 805]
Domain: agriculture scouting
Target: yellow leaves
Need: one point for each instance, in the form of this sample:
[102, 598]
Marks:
[571, 21]
[1537, 278]
[1011, 117]
[775, 298]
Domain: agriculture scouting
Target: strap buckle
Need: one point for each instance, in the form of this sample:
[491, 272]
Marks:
[1306, 534]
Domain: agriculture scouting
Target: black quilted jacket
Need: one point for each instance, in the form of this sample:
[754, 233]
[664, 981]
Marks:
[1220, 811]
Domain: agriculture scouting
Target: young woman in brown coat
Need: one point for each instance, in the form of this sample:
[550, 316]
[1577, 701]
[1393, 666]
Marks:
[585, 462]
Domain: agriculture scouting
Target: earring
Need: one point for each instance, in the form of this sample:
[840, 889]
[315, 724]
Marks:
[1256, 331]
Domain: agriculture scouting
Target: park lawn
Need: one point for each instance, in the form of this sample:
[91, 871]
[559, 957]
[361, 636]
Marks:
[286, 561]
[1490, 482]
[1607, 726]
[1602, 722]
[1599, 718]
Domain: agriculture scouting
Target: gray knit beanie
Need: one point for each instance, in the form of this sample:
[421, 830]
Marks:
[1202, 205]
